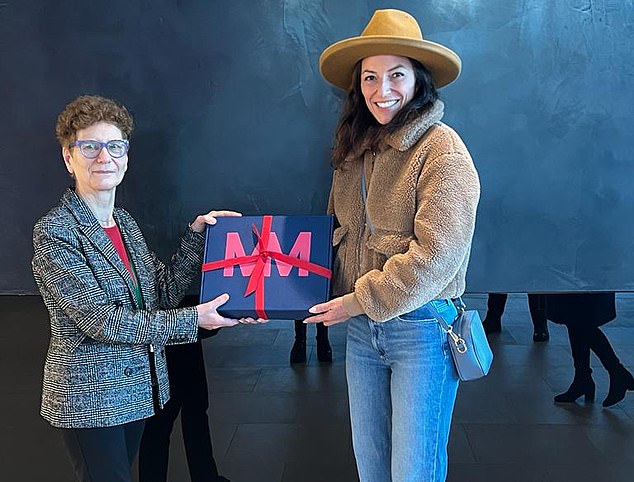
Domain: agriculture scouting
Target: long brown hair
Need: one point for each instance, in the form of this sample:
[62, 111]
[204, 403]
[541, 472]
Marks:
[358, 129]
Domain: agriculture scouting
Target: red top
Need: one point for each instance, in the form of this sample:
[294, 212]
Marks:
[115, 236]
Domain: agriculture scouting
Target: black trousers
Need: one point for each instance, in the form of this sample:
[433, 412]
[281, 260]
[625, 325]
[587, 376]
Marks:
[189, 397]
[536, 304]
[103, 454]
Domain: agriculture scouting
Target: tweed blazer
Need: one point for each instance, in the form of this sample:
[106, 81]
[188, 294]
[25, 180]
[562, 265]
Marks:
[97, 369]
[422, 196]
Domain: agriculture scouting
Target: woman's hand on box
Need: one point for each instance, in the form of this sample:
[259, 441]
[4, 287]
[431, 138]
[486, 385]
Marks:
[199, 224]
[209, 319]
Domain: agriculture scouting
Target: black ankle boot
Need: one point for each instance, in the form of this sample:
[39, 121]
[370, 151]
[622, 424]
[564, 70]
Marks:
[581, 385]
[540, 333]
[492, 325]
[621, 380]
[298, 352]
[324, 352]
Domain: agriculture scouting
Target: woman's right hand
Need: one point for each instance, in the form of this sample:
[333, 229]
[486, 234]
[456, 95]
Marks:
[209, 319]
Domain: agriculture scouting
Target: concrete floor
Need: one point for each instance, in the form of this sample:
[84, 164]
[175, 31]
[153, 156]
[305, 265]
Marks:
[274, 423]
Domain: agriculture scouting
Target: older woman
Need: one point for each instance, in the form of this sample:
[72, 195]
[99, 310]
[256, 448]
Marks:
[404, 194]
[111, 301]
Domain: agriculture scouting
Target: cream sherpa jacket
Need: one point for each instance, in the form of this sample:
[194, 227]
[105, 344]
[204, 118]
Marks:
[422, 196]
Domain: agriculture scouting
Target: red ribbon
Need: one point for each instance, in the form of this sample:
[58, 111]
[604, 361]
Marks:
[256, 279]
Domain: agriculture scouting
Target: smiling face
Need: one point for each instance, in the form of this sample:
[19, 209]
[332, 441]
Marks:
[104, 173]
[388, 83]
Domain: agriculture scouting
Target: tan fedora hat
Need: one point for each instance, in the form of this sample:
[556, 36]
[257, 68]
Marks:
[389, 32]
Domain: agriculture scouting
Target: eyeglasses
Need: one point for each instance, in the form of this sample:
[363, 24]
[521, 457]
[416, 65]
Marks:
[91, 149]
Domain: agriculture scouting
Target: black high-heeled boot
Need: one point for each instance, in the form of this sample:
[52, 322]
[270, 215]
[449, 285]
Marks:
[581, 385]
[621, 380]
[298, 352]
[324, 351]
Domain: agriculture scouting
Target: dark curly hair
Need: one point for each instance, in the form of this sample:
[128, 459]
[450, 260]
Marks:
[358, 129]
[87, 110]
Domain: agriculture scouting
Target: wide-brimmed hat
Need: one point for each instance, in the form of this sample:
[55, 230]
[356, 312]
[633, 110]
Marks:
[389, 32]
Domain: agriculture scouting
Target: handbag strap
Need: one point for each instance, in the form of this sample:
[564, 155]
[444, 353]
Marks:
[364, 195]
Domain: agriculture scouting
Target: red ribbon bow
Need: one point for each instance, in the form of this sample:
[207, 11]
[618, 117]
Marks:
[256, 279]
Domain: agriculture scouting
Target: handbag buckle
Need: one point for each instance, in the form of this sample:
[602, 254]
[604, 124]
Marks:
[461, 345]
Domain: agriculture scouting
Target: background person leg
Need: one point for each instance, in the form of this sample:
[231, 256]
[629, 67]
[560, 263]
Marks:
[621, 380]
[194, 418]
[582, 384]
[298, 352]
[155, 443]
[537, 307]
[495, 308]
[324, 351]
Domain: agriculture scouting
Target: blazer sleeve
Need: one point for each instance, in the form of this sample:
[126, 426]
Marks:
[174, 278]
[97, 307]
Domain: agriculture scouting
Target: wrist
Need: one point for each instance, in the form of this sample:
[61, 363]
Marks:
[196, 228]
[351, 305]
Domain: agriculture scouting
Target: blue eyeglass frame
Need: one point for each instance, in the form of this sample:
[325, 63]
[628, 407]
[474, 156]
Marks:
[80, 143]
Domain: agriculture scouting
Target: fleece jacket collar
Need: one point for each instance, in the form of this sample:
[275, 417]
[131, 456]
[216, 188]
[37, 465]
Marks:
[408, 135]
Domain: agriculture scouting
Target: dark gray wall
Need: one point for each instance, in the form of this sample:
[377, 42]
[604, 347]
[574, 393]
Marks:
[231, 113]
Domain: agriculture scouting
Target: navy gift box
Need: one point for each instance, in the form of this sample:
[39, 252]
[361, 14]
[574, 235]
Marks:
[271, 266]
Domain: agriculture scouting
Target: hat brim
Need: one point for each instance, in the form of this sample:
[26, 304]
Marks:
[337, 62]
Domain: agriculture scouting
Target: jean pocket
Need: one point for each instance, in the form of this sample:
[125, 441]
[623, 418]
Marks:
[429, 311]
[415, 319]
[421, 314]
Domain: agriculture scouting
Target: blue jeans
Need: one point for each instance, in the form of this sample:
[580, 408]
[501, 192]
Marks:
[401, 388]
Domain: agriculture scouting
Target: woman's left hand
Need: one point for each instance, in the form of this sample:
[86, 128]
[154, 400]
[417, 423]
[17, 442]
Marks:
[252, 321]
[329, 313]
[201, 221]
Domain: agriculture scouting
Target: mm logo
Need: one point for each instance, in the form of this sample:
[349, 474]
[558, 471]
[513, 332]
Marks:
[235, 249]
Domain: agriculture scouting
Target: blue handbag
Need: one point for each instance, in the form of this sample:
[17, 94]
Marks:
[470, 350]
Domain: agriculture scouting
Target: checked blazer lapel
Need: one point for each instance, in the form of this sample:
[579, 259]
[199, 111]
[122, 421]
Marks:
[93, 231]
[137, 251]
